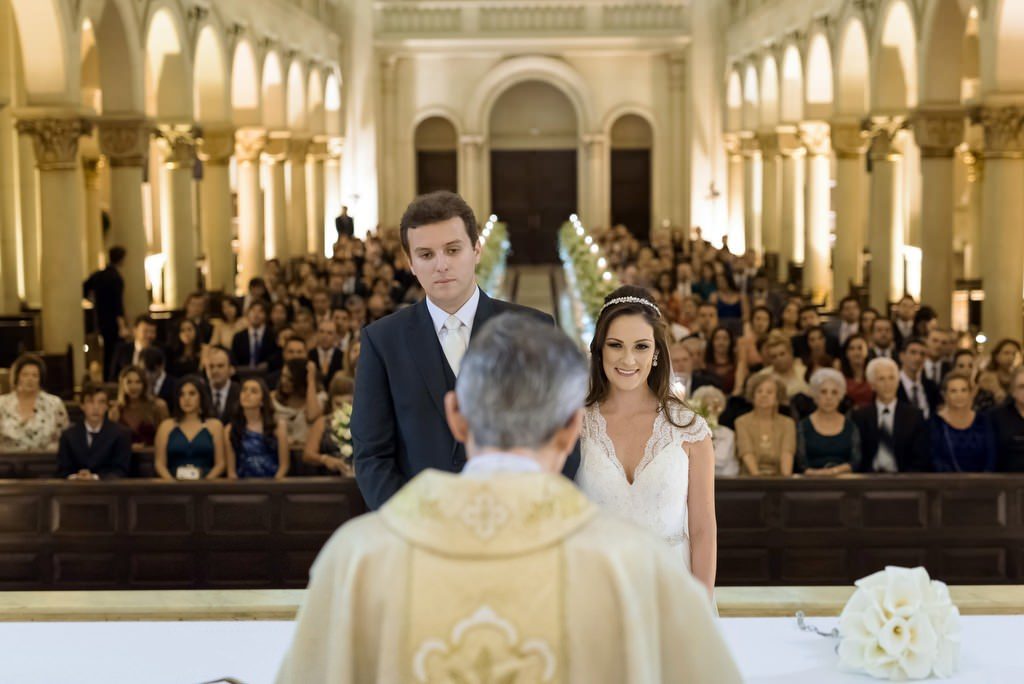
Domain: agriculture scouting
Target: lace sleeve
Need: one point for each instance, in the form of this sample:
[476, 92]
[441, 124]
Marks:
[695, 427]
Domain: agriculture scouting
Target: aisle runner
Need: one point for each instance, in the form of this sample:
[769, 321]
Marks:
[534, 289]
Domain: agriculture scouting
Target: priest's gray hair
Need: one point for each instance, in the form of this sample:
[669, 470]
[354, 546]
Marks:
[520, 382]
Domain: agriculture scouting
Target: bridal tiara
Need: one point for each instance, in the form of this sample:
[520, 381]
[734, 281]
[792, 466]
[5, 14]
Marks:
[631, 300]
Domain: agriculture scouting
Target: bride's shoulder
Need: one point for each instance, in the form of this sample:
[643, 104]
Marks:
[690, 426]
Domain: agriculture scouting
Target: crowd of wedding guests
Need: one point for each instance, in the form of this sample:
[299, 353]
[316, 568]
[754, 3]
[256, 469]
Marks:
[787, 392]
[234, 388]
[238, 386]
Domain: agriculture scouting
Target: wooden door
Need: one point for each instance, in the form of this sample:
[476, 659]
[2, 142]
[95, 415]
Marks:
[436, 171]
[534, 193]
[631, 191]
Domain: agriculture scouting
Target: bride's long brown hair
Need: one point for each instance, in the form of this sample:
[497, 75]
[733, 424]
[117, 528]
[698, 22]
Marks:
[660, 377]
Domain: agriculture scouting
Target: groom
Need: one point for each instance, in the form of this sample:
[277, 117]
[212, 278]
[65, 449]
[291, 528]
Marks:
[409, 360]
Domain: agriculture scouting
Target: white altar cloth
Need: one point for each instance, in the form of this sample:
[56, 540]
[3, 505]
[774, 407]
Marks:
[768, 650]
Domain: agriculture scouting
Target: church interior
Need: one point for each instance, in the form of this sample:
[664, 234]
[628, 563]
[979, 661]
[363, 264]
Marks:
[823, 201]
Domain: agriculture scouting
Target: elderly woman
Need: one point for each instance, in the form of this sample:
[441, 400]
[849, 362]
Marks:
[724, 439]
[962, 439]
[828, 442]
[766, 439]
[30, 419]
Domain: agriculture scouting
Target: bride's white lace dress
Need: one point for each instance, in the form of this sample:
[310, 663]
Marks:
[657, 497]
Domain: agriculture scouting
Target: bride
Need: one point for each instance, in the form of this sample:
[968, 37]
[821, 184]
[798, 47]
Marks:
[645, 455]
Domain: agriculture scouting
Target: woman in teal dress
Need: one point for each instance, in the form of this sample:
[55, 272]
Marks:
[828, 442]
[190, 444]
[257, 443]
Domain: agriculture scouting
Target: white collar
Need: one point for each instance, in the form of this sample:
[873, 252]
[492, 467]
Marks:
[498, 462]
[88, 428]
[908, 381]
[891, 406]
[466, 314]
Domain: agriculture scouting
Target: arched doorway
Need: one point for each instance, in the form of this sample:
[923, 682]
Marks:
[534, 146]
[436, 155]
[631, 143]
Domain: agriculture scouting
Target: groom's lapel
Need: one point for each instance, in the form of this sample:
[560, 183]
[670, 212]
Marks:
[484, 311]
[427, 355]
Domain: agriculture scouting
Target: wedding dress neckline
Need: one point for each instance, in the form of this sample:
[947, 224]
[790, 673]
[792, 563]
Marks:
[609, 445]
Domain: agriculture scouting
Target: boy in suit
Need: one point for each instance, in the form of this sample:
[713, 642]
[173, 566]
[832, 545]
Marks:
[96, 448]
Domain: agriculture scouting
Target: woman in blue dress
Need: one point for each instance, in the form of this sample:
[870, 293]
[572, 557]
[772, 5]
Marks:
[257, 444]
[962, 439]
[190, 444]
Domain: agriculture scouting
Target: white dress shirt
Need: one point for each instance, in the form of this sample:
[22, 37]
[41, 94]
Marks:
[909, 386]
[498, 462]
[885, 459]
[846, 331]
[465, 315]
[933, 370]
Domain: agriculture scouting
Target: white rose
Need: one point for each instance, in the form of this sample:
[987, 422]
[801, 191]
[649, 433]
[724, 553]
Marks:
[346, 450]
[346, 434]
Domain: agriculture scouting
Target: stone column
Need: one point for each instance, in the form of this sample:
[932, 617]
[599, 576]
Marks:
[275, 213]
[1002, 240]
[470, 186]
[817, 245]
[93, 215]
[297, 200]
[771, 215]
[9, 301]
[332, 181]
[316, 219]
[125, 144]
[734, 187]
[793, 176]
[249, 144]
[215, 148]
[849, 142]
[56, 149]
[28, 204]
[938, 133]
[751, 149]
[178, 147]
[975, 182]
[887, 218]
[593, 212]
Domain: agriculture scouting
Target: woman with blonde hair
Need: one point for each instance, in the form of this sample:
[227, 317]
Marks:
[136, 408]
[329, 442]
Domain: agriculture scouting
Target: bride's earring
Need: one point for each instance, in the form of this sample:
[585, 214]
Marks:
[655, 364]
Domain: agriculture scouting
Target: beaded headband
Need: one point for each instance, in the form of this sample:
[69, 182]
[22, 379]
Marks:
[632, 300]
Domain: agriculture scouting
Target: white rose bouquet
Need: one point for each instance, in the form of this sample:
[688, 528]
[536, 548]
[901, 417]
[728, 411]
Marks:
[341, 430]
[900, 624]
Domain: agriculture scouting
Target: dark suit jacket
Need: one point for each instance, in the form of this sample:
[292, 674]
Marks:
[909, 438]
[106, 289]
[267, 353]
[334, 365]
[109, 456]
[931, 393]
[204, 330]
[344, 225]
[167, 391]
[230, 402]
[398, 423]
[123, 354]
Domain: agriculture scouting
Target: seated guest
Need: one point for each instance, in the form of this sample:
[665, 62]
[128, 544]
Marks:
[914, 387]
[883, 340]
[195, 311]
[723, 361]
[280, 314]
[304, 327]
[297, 401]
[293, 348]
[765, 438]
[257, 444]
[724, 439]
[687, 361]
[965, 361]
[190, 444]
[1008, 422]
[488, 602]
[810, 320]
[255, 346]
[828, 443]
[847, 323]
[961, 439]
[706, 285]
[854, 363]
[161, 384]
[329, 442]
[183, 351]
[935, 365]
[757, 332]
[327, 356]
[136, 409]
[988, 392]
[729, 302]
[789, 319]
[1006, 357]
[130, 353]
[96, 448]
[866, 325]
[778, 352]
[223, 389]
[817, 355]
[925, 320]
[707, 321]
[229, 324]
[30, 418]
[894, 435]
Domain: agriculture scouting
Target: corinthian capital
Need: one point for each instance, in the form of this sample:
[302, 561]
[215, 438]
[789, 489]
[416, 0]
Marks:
[883, 131]
[276, 149]
[55, 140]
[816, 137]
[1004, 130]
[178, 144]
[938, 132]
[216, 145]
[850, 139]
[249, 144]
[790, 143]
[125, 141]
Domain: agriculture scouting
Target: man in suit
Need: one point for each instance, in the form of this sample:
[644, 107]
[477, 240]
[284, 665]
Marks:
[914, 386]
[224, 390]
[809, 320]
[903, 319]
[195, 311]
[847, 324]
[409, 360]
[294, 349]
[688, 374]
[255, 347]
[883, 345]
[129, 353]
[893, 434]
[344, 224]
[106, 290]
[161, 385]
[935, 365]
[96, 448]
[327, 356]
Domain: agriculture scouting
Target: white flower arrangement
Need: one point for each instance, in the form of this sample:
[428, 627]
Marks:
[900, 624]
[341, 429]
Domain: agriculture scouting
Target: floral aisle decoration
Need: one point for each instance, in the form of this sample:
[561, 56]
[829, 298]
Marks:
[493, 255]
[341, 431]
[899, 624]
[587, 275]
